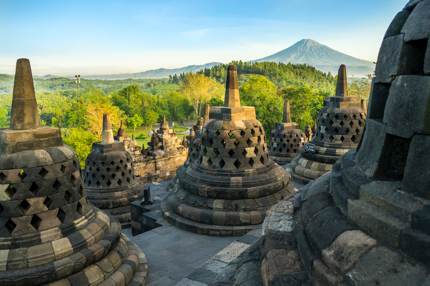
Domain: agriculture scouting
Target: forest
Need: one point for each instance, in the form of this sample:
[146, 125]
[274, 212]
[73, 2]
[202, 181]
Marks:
[78, 108]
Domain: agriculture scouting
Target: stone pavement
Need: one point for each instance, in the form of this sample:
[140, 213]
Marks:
[174, 253]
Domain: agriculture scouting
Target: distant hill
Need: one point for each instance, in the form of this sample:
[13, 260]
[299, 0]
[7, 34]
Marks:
[322, 57]
[154, 74]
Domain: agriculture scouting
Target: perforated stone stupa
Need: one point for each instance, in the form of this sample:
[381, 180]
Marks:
[368, 221]
[109, 179]
[228, 187]
[49, 233]
[286, 139]
[339, 128]
[164, 155]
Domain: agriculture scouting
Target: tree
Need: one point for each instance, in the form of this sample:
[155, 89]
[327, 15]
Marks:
[80, 140]
[135, 121]
[200, 89]
[260, 92]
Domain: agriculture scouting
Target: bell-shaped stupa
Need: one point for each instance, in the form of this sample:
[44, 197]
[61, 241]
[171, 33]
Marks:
[286, 139]
[49, 233]
[368, 221]
[231, 182]
[339, 128]
[109, 179]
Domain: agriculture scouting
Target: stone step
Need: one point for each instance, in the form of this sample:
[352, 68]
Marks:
[376, 221]
[387, 197]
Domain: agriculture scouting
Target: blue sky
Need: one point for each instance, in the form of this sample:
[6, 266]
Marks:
[106, 36]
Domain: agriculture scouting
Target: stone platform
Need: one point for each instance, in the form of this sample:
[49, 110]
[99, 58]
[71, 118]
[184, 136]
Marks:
[179, 257]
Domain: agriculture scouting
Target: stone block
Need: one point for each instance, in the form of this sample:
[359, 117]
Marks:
[347, 249]
[408, 106]
[397, 24]
[417, 171]
[417, 26]
[384, 267]
[389, 59]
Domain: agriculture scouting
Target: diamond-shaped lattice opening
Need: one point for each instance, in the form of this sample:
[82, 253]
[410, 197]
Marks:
[63, 168]
[262, 160]
[61, 215]
[22, 174]
[236, 143]
[107, 169]
[336, 116]
[221, 163]
[341, 123]
[10, 191]
[331, 137]
[25, 205]
[10, 225]
[119, 182]
[251, 162]
[98, 183]
[128, 180]
[79, 208]
[47, 202]
[244, 152]
[103, 177]
[113, 176]
[43, 172]
[216, 151]
[121, 161]
[256, 151]
[112, 163]
[242, 133]
[56, 185]
[210, 141]
[237, 164]
[353, 138]
[108, 183]
[210, 162]
[117, 168]
[249, 142]
[34, 188]
[218, 133]
[253, 132]
[2, 176]
[342, 138]
[231, 153]
[67, 196]
[103, 163]
[35, 221]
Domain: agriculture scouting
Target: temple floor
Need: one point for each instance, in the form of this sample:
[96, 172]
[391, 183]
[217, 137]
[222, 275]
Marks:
[178, 257]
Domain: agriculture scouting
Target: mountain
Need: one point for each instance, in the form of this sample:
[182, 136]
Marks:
[322, 57]
[153, 74]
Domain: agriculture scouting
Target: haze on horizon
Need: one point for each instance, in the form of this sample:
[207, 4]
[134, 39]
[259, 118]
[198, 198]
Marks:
[106, 36]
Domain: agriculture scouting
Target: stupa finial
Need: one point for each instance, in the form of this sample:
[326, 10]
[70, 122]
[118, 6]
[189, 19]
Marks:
[287, 113]
[24, 114]
[342, 82]
[232, 98]
[164, 124]
[107, 133]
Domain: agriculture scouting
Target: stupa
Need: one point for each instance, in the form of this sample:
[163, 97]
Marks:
[108, 176]
[228, 187]
[339, 128]
[164, 155]
[49, 233]
[367, 222]
[286, 139]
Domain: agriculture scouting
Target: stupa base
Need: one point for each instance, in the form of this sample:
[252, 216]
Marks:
[201, 228]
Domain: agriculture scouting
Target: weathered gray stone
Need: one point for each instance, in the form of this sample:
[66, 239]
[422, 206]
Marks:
[384, 267]
[417, 26]
[408, 105]
[347, 249]
[389, 59]
[417, 171]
